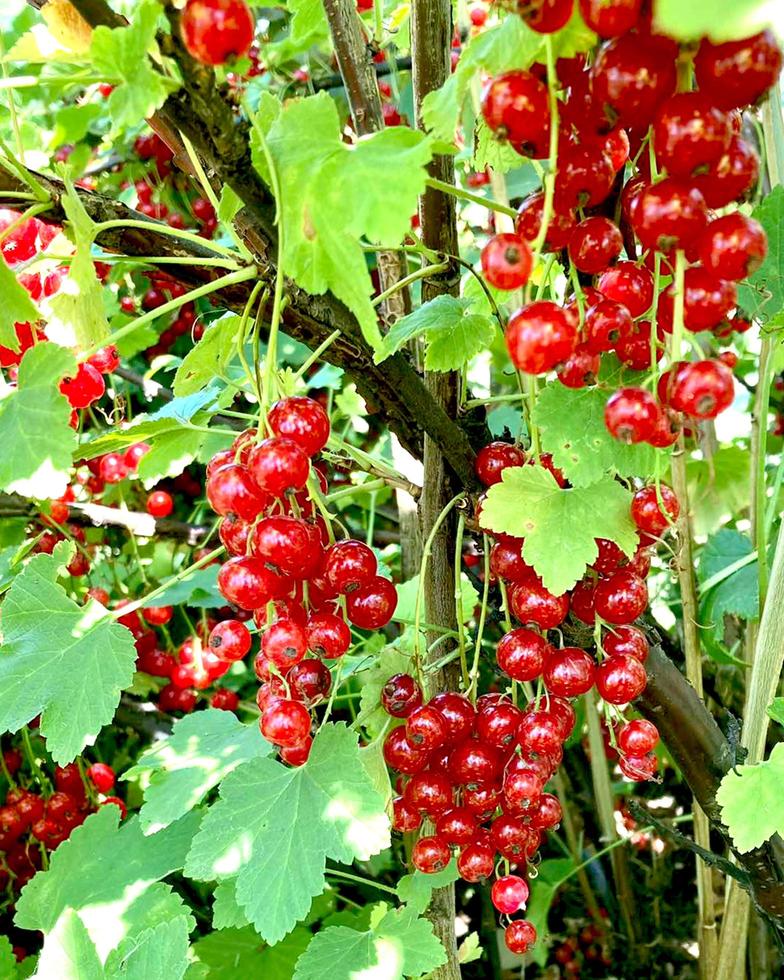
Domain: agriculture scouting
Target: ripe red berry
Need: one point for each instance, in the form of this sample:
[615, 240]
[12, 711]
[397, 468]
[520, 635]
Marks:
[426, 728]
[610, 18]
[621, 598]
[630, 77]
[279, 466]
[510, 836]
[348, 565]
[476, 861]
[519, 936]
[159, 504]
[430, 854]
[232, 490]
[494, 458]
[217, 31]
[288, 545]
[472, 763]
[707, 301]
[285, 722]
[733, 246]
[158, 615]
[631, 415]
[506, 560]
[506, 261]
[85, 387]
[607, 325]
[457, 825]
[328, 635]
[531, 602]
[284, 643]
[372, 605]
[701, 389]
[230, 640]
[594, 244]
[670, 214]
[400, 695]
[105, 360]
[400, 754]
[248, 583]
[529, 222]
[515, 107]
[638, 737]
[620, 679]
[101, 776]
[429, 792]
[737, 73]
[458, 713]
[732, 177]
[580, 369]
[521, 653]
[689, 133]
[303, 420]
[509, 894]
[405, 817]
[498, 723]
[638, 767]
[626, 640]
[628, 284]
[546, 16]
[569, 672]
[647, 511]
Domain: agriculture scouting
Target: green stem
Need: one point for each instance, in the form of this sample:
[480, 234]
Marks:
[423, 273]
[161, 229]
[759, 458]
[677, 313]
[361, 881]
[458, 573]
[304, 368]
[480, 629]
[549, 180]
[465, 195]
[357, 488]
[241, 275]
[139, 603]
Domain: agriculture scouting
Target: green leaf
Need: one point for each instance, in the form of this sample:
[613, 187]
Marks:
[308, 20]
[69, 953]
[490, 152]
[469, 950]
[718, 487]
[120, 57]
[453, 334]
[198, 588]
[697, 18]
[72, 123]
[407, 594]
[750, 801]
[75, 314]
[7, 958]
[171, 452]
[762, 294]
[270, 816]
[399, 945]
[226, 914]
[112, 897]
[161, 951]
[237, 954]
[207, 359]
[776, 710]
[201, 750]
[586, 451]
[737, 594]
[552, 874]
[416, 889]
[17, 307]
[529, 504]
[34, 425]
[333, 193]
[50, 646]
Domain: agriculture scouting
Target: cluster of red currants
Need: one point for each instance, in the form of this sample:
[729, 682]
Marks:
[30, 822]
[301, 588]
[685, 157]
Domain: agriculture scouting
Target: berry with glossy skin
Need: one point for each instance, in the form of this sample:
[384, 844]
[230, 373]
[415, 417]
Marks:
[689, 133]
[546, 812]
[217, 31]
[670, 214]
[594, 244]
[581, 601]
[521, 654]
[372, 605]
[564, 715]
[328, 635]
[476, 861]
[732, 177]
[279, 466]
[631, 77]
[545, 16]
[607, 325]
[519, 936]
[701, 389]
[426, 728]
[309, 680]
[494, 458]
[631, 415]
[522, 787]
[429, 792]
[231, 490]
[628, 284]
[285, 722]
[707, 301]
[296, 755]
[457, 825]
[105, 360]
[626, 641]
[510, 836]
[234, 534]
[472, 763]
[737, 73]
[284, 643]
[301, 419]
[458, 713]
[539, 733]
[113, 468]
[400, 696]
[288, 545]
[509, 894]
[638, 737]
[638, 767]
[159, 504]
[529, 222]
[248, 583]
[230, 640]
[610, 18]
[173, 698]
[158, 615]
[531, 602]
[569, 672]
[733, 246]
[85, 387]
[348, 565]
[405, 817]
[580, 369]
[400, 754]
[497, 724]
[540, 336]
[620, 679]
[506, 561]
[430, 854]
[515, 106]
[647, 511]
[621, 598]
[506, 261]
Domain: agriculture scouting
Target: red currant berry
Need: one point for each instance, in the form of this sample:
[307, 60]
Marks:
[689, 134]
[733, 246]
[569, 672]
[303, 420]
[458, 713]
[457, 825]
[620, 679]
[631, 415]
[506, 261]
[230, 640]
[217, 31]
[529, 222]
[610, 18]
[476, 861]
[737, 73]
[472, 763]
[509, 894]
[429, 792]
[288, 545]
[515, 107]
[231, 490]
[670, 214]
[159, 503]
[400, 754]
[285, 723]
[519, 936]
[638, 768]
[249, 584]
[628, 284]
[405, 817]
[621, 598]
[430, 854]
[522, 653]
[647, 512]
[626, 641]
[279, 466]
[494, 458]
[638, 737]
[701, 389]
[401, 695]
[284, 643]
[594, 244]
[539, 337]
[426, 728]
[580, 369]
[348, 565]
[373, 604]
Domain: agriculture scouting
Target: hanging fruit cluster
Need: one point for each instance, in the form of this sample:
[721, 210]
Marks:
[300, 587]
